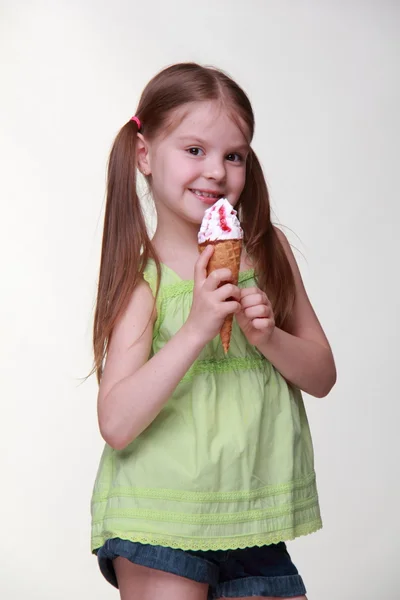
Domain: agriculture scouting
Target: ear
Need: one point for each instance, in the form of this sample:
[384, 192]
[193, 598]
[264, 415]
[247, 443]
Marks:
[142, 155]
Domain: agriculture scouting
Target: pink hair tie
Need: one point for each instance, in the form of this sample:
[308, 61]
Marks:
[137, 121]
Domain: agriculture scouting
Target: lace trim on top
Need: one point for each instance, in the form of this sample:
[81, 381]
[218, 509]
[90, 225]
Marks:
[217, 543]
[224, 366]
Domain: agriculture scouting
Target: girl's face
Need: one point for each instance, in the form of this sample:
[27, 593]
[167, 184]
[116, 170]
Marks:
[201, 159]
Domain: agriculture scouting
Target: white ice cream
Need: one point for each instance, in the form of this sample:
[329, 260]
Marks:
[220, 222]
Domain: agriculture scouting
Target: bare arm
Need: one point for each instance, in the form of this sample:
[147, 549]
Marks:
[307, 364]
[134, 389]
[302, 354]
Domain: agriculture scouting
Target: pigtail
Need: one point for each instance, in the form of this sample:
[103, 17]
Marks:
[126, 246]
[273, 270]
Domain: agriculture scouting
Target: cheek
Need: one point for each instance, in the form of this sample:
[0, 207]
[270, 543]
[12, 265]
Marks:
[177, 168]
[238, 180]
[166, 172]
[186, 171]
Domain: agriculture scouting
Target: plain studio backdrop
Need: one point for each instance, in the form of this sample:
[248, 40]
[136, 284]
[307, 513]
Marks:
[323, 80]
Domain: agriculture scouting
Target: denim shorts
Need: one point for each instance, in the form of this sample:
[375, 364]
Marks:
[259, 571]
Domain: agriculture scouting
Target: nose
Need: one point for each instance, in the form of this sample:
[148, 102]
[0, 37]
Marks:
[215, 169]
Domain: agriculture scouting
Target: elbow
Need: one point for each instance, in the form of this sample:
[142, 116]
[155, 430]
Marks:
[114, 427]
[115, 443]
[112, 440]
[113, 436]
[322, 393]
[326, 385]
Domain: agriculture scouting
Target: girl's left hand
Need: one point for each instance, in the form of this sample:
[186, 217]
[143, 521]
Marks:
[256, 317]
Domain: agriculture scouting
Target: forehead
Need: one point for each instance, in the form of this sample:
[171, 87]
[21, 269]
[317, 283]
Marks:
[210, 119]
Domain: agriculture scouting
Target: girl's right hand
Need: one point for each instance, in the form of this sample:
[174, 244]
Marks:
[211, 303]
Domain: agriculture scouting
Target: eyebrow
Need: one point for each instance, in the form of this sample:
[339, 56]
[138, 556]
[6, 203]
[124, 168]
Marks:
[197, 140]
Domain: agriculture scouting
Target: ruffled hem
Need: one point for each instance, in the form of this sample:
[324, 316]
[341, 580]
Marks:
[220, 543]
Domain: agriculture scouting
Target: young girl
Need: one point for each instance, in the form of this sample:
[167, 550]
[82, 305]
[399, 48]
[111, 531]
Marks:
[208, 464]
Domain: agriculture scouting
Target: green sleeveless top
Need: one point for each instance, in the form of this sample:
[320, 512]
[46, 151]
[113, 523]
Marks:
[228, 462]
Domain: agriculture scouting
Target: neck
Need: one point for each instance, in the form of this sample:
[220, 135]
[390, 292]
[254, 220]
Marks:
[175, 238]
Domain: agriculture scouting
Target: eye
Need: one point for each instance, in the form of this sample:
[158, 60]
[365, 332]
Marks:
[195, 151]
[234, 157]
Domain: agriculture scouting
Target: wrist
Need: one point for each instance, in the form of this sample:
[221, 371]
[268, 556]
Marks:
[269, 342]
[193, 337]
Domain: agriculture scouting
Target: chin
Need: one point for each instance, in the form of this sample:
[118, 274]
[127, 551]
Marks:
[195, 216]
[195, 220]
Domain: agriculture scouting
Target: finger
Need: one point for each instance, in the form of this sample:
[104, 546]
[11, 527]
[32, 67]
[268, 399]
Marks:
[200, 268]
[254, 300]
[228, 292]
[262, 324]
[250, 290]
[261, 311]
[231, 307]
[217, 277]
[241, 317]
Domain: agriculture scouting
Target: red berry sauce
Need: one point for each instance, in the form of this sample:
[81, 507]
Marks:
[222, 219]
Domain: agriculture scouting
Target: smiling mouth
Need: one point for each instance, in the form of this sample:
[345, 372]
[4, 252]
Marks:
[209, 195]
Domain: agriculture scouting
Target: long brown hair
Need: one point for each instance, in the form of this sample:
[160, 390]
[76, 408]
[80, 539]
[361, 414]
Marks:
[126, 245]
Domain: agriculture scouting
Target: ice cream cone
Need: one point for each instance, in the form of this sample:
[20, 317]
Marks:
[226, 255]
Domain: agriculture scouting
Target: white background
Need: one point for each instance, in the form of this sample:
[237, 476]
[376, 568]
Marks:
[323, 79]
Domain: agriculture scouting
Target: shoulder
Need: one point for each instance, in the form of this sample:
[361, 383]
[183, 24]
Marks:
[140, 307]
[288, 251]
[283, 239]
[304, 322]
[299, 286]
[292, 261]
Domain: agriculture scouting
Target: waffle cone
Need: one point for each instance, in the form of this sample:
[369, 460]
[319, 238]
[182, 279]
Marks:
[226, 255]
